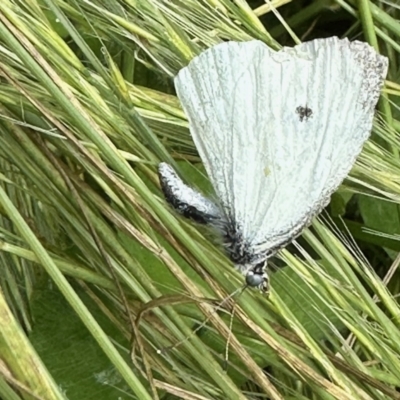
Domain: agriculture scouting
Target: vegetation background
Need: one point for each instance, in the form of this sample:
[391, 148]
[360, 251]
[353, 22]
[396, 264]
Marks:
[97, 273]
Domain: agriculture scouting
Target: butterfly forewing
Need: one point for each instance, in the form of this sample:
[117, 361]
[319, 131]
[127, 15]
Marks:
[279, 131]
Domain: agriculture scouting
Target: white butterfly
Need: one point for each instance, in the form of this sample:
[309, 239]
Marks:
[277, 132]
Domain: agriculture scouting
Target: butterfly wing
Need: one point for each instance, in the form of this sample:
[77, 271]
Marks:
[279, 131]
[186, 201]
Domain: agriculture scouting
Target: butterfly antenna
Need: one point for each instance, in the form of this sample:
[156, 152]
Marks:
[228, 341]
[217, 308]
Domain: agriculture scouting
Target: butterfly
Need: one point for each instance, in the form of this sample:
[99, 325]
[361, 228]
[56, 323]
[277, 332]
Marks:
[277, 131]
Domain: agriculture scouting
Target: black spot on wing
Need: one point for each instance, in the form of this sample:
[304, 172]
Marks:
[304, 112]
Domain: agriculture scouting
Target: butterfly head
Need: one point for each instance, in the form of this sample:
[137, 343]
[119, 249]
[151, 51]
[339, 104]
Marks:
[257, 277]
